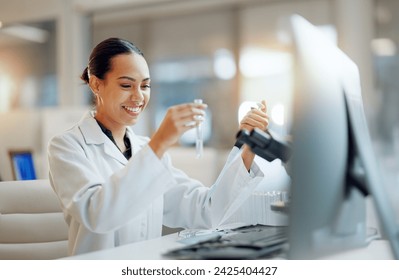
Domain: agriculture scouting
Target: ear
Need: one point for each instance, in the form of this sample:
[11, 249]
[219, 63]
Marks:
[94, 84]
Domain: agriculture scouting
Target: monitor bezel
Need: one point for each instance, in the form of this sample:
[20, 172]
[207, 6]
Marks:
[359, 142]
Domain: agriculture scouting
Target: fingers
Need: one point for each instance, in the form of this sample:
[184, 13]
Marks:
[251, 121]
[183, 117]
[256, 117]
[264, 108]
[187, 115]
[178, 119]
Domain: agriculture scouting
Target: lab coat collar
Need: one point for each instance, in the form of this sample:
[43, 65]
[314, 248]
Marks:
[91, 130]
[93, 135]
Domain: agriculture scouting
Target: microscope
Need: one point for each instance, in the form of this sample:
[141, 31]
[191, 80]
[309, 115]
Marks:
[269, 147]
[265, 144]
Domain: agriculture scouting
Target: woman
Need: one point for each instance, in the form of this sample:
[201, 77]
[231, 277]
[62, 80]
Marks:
[116, 187]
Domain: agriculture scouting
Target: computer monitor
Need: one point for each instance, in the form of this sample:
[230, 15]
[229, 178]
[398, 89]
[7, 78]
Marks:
[333, 166]
[22, 165]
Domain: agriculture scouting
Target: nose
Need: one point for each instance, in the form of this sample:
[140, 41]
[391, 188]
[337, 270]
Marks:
[137, 95]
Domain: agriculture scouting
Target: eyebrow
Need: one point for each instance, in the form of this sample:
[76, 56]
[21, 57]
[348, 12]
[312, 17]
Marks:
[132, 79]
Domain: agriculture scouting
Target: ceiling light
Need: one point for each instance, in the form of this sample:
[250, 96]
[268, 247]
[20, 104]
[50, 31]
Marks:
[26, 32]
[383, 47]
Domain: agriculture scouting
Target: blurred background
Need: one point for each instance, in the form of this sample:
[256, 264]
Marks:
[230, 53]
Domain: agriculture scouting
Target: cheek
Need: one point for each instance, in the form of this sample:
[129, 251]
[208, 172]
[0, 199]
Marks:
[146, 98]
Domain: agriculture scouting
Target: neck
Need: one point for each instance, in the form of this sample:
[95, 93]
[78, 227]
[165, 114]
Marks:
[118, 131]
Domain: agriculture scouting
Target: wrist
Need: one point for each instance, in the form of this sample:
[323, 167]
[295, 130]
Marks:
[247, 157]
[157, 147]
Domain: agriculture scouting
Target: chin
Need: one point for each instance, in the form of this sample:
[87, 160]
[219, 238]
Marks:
[132, 122]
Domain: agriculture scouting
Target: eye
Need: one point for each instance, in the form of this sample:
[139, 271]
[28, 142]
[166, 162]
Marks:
[146, 86]
[125, 85]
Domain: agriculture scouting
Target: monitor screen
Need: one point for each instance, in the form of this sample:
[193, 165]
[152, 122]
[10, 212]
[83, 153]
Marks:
[22, 165]
[332, 167]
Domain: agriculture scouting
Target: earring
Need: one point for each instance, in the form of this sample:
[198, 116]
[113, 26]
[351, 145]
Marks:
[99, 98]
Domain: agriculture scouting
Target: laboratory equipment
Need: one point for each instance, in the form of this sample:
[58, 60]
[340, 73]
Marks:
[199, 141]
[265, 144]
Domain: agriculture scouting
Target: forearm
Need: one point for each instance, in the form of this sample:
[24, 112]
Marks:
[158, 147]
[247, 157]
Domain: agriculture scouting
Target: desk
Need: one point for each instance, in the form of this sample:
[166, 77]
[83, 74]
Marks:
[144, 250]
[153, 250]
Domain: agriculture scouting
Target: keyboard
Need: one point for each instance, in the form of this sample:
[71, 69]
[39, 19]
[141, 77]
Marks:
[258, 235]
[249, 242]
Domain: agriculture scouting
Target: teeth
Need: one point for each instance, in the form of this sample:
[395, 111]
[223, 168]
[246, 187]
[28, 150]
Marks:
[132, 109]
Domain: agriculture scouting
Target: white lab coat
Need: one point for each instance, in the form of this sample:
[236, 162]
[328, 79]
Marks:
[110, 201]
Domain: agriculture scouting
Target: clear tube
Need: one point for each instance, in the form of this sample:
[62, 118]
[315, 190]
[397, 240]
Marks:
[258, 106]
[199, 142]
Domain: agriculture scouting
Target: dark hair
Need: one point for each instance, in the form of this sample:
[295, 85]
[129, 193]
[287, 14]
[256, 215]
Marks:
[101, 55]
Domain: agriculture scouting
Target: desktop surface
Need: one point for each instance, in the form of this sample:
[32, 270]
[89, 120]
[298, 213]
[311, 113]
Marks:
[155, 249]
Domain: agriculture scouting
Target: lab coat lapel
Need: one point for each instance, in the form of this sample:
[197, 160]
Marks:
[134, 142]
[94, 136]
[112, 150]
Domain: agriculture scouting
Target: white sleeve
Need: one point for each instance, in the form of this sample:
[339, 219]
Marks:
[189, 204]
[104, 202]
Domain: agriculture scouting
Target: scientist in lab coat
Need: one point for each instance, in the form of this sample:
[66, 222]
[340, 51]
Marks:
[116, 187]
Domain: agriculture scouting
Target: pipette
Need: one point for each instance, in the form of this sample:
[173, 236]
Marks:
[258, 106]
[199, 143]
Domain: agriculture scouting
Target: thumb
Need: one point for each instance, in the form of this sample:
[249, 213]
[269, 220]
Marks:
[264, 106]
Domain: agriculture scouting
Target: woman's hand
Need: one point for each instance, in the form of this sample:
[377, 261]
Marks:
[178, 119]
[256, 118]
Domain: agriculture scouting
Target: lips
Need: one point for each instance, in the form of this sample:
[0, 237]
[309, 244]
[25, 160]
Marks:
[133, 109]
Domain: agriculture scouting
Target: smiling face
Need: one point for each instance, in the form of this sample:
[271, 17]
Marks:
[123, 93]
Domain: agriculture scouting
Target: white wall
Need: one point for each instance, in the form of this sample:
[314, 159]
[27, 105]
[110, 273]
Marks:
[20, 130]
[31, 130]
[160, 36]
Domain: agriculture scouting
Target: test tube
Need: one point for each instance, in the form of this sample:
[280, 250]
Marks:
[258, 106]
[199, 143]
